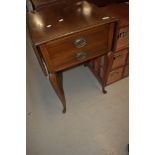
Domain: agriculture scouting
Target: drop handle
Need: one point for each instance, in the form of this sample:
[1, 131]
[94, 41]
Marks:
[80, 55]
[114, 73]
[122, 34]
[80, 42]
[117, 56]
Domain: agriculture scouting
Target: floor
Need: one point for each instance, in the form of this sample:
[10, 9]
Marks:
[95, 124]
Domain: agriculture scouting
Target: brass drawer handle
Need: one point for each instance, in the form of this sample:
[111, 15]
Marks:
[123, 34]
[118, 56]
[80, 55]
[115, 73]
[80, 42]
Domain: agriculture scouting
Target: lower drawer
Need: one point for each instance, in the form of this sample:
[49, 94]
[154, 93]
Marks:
[120, 58]
[115, 75]
[126, 71]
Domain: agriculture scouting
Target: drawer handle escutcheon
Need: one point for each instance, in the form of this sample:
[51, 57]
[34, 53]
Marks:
[118, 56]
[123, 34]
[81, 42]
[80, 55]
[114, 73]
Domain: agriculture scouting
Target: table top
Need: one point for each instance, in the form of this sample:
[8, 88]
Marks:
[120, 10]
[57, 21]
[43, 3]
[37, 4]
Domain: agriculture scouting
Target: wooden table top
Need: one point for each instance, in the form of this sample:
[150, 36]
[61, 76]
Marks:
[43, 3]
[120, 10]
[53, 22]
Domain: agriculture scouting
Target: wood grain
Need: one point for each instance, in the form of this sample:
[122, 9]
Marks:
[54, 30]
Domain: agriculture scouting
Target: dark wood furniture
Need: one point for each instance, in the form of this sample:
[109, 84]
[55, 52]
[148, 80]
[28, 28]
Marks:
[119, 67]
[66, 36]
[34, 5]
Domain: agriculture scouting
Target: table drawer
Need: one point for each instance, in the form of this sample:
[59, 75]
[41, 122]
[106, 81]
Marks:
[126, 71]
[77, 48]
[115, 75]
[123, 38]
[120, 58]
[127, 59]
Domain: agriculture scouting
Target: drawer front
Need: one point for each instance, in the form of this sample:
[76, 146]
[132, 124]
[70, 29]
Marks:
[77, 48]
[127, 59]
[115, 75]
[126, 71]
[123, 38]
[120, 58]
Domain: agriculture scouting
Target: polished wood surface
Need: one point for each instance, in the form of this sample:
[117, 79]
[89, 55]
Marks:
[39, 4]
[63, 53]
[120, 11]
[102, 3]
[66, 36]
[57, 21]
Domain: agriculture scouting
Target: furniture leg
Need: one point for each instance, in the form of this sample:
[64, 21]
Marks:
[56, 80]
[108, 60]
[85, 64]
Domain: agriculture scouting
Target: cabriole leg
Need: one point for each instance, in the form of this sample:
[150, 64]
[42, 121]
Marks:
[108, 60]
[56, 80]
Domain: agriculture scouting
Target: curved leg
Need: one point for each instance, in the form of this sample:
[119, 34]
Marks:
[57, 83]
[85, 64]
[104, 91]
[108, 60]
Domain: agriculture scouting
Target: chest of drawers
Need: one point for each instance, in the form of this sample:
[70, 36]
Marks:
[63, 37]
[119, 61]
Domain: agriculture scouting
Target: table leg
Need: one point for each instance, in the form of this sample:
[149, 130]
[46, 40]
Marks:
[56, 80]
[108, 60]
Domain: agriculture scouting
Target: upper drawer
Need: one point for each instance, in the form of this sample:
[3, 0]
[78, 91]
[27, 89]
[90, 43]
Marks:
[123, 38]
[77, 48]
